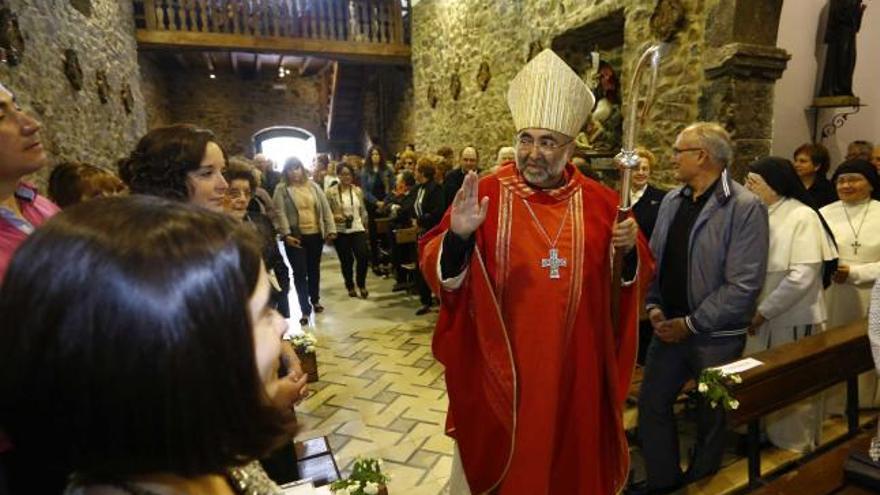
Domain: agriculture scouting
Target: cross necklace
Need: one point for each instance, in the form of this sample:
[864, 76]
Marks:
[553, 262]
[856, 244]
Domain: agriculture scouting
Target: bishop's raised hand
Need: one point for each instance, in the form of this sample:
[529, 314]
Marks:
[468, 213]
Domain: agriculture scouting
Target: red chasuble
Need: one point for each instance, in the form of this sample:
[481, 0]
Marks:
[536, 376]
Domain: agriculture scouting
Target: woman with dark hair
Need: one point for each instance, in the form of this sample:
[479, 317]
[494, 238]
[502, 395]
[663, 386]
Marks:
[428, 209]
[811, 161]
[306, 224]
[153, 351]
[350, 213]
[376, 180]
[791, 305]
[74, 182]
[855, 221]
[242, 185]
[181, 162]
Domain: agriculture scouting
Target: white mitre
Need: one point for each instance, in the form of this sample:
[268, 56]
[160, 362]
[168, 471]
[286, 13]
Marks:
[548, 94]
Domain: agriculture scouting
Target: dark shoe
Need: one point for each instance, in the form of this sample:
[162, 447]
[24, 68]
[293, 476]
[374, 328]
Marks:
[400, 286]
[423, 310]
[352, 293]
[318, 308]
[364, 293]
[304, 321]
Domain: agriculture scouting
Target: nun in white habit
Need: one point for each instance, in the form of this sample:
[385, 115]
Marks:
[791, 305]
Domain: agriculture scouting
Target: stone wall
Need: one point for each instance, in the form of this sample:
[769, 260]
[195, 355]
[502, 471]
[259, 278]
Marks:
[471, 31]
[76, 125]
[235, 108]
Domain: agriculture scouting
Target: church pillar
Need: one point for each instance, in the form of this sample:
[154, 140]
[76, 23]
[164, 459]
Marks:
[742, 64]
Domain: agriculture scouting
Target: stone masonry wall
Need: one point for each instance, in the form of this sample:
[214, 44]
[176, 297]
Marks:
[235, 109]
[455, 37]
[76, 125]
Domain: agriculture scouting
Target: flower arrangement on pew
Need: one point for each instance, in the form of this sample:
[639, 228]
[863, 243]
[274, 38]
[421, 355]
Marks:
[304, 345]
[713, 384]
[366, 479]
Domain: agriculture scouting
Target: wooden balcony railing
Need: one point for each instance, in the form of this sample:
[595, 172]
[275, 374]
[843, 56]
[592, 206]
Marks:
[349, 28]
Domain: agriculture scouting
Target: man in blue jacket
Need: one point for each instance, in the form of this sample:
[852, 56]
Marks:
[710, 243]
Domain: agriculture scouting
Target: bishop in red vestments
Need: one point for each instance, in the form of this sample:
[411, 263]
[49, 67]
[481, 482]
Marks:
[535, 372]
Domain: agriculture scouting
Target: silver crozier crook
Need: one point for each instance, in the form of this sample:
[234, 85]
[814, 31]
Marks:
[627, 159]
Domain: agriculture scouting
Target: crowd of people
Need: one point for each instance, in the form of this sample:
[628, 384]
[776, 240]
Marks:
[160, 276]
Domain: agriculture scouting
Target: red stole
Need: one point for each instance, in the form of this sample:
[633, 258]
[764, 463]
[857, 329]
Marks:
[536, 380]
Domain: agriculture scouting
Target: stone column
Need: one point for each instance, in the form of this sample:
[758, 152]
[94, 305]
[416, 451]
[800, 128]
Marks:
[742, 64]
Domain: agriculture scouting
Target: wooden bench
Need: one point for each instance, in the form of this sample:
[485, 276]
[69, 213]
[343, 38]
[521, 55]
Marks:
[796, 371]
[404, 237]
[822, 475]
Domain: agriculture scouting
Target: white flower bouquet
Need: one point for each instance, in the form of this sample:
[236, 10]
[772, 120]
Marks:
[366, 479]
[713, 384]
[304, 343]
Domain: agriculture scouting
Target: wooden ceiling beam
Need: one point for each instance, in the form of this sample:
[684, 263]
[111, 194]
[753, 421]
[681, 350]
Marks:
[377, 53]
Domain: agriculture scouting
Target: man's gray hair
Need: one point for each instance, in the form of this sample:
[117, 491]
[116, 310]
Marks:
[715, 140]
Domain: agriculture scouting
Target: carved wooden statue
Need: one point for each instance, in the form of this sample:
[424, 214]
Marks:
[844, 21]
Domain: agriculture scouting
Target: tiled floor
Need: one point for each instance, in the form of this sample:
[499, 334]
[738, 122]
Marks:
[380, 394]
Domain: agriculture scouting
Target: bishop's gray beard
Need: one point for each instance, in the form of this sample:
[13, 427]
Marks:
[540, 173]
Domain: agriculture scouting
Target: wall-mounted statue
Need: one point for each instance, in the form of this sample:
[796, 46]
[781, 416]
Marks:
[604, 129]
[432, 96]
[455, 86]
[103, 86]
[844, 21]
[11, 39]
[72, 69]
[127, 98]
[483, 76]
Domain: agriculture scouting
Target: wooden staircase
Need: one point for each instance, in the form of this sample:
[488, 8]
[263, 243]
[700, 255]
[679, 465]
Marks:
[345, 115]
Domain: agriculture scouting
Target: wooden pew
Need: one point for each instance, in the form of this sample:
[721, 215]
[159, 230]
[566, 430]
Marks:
[822, 475]
[796, 371]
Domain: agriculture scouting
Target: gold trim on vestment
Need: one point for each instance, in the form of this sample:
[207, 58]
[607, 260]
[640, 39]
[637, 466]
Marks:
[485, 274]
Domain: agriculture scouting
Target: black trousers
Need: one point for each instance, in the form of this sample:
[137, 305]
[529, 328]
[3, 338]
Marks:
[305, 261]
[668, 368]
[352, 250]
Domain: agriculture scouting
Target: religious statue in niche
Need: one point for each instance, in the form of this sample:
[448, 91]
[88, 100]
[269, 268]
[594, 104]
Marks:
[103, 86]
[455, 86]
[72, 69]
[127, 98]
[11, 39]
[484, 76]
[667, 19]
[432, 96]
[604, 128]
[844, 21]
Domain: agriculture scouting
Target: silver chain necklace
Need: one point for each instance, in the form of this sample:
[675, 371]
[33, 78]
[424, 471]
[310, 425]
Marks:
[553, 262]
[855, 244]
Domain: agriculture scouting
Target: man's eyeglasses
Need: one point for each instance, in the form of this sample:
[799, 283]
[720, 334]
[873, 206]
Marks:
[678, 151]
[545, 145]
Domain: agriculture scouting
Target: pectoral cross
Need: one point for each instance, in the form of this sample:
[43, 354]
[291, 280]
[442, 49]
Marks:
[856, 245]
[554, 262]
